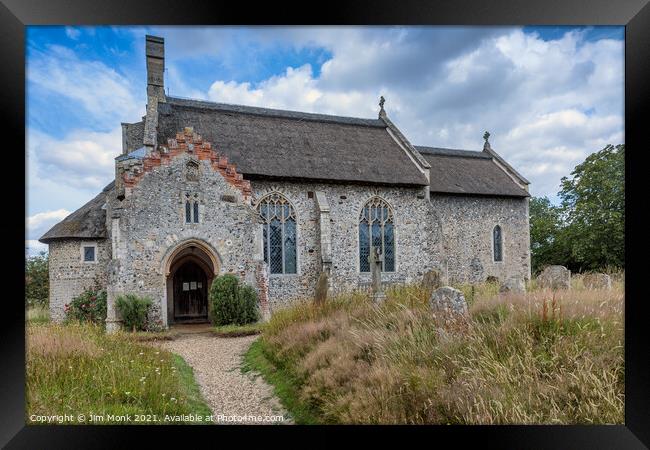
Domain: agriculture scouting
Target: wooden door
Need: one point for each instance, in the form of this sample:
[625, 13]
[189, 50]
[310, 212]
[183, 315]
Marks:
[190, 293]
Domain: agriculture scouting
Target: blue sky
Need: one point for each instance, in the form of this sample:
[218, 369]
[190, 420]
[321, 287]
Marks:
[548, 95]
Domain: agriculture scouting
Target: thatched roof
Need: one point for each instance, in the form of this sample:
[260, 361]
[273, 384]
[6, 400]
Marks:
[288, 145]
[88, 222]
[469, 173]
[273, 143]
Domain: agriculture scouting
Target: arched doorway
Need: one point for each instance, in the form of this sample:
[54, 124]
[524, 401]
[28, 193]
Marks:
[190, 269]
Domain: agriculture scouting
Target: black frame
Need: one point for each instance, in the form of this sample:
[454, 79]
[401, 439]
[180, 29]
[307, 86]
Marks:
[634, 14]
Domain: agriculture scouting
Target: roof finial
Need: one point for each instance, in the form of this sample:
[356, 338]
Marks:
[382, 100]
[486, 136]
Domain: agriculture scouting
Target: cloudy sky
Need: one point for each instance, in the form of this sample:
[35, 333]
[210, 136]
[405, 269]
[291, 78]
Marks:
[548, 95]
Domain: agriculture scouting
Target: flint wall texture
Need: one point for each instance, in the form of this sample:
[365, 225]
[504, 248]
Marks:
[152, 224]
[70, 275]
[467, 224]
[417, 237]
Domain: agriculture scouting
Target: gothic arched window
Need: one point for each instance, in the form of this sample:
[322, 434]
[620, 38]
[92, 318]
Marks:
[376, 228]
[497, 243]
[191, 208]
[279, 222]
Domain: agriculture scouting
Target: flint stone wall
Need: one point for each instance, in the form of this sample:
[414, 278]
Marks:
[417, 237]
[152, 224]
[467, 226]
[70, 275]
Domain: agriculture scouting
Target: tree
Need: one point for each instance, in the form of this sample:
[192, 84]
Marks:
[593, 202]
[546, 243]
[37, 280]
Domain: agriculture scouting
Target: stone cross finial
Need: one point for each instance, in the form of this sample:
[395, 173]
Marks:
[376, 259]
[382, 100]
[486, 136]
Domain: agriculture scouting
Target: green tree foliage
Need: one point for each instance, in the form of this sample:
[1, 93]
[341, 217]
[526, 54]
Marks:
[545, 227]
[37, 280]
[586, 231]
[593, 199]
[133, 311]
[232, 302]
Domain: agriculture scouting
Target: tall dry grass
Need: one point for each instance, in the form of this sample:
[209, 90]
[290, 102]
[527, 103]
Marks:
[78, 369]
[536, 358]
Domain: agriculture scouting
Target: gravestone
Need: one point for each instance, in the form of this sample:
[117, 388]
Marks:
[597, 281]
[449, 300]
[555, 277]
[431, 281]
[475, 270]
[513, 284]
[376, 259]
[322, 285]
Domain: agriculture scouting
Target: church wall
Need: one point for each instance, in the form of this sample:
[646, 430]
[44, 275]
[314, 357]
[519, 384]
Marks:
[152, 224]
[467, 224]
[417, 236]
[70, 275]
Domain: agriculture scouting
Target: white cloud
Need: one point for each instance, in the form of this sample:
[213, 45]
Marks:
[103, 92]
[33, 247]
[72, 33]
[39, 223]
[547, 104]
[82, 159]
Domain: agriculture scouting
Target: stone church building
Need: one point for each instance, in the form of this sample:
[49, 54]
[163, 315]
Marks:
[276, 197]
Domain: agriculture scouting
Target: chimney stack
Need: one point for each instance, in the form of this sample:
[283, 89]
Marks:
[155, 50]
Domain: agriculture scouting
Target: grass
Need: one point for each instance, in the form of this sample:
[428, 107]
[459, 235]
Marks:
[285, 387]
[238, 330]
[78, 369]
[534, 358]
[38, 314]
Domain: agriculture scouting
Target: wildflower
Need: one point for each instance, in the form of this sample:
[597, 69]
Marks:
[164, 394]
[141, 353]
[173, 399]
[143, 378]
[127, 393]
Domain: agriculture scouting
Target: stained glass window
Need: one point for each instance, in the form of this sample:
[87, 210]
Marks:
[497, 241]
[376, 228]
[196, 212]
[279, 231]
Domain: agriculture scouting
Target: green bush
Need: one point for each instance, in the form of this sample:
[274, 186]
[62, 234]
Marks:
[133, 310]
[232, 302]
[90, 306]
[37, 285]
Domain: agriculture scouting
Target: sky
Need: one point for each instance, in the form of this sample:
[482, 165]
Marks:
[549, 96]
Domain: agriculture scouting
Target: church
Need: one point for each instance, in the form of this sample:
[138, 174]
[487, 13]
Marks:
[278, 197]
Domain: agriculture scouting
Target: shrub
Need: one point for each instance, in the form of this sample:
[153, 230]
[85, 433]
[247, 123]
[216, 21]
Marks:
[37, 280]
[232, 302]
[133, 310]
[90, 306]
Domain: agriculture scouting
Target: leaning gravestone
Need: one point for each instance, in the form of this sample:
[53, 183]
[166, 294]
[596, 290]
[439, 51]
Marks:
[448, 299]
[431, 281]
[513, 284]
[597, 281]
[555, 277]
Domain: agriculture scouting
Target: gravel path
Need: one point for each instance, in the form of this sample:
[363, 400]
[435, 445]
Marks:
[217, 368]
